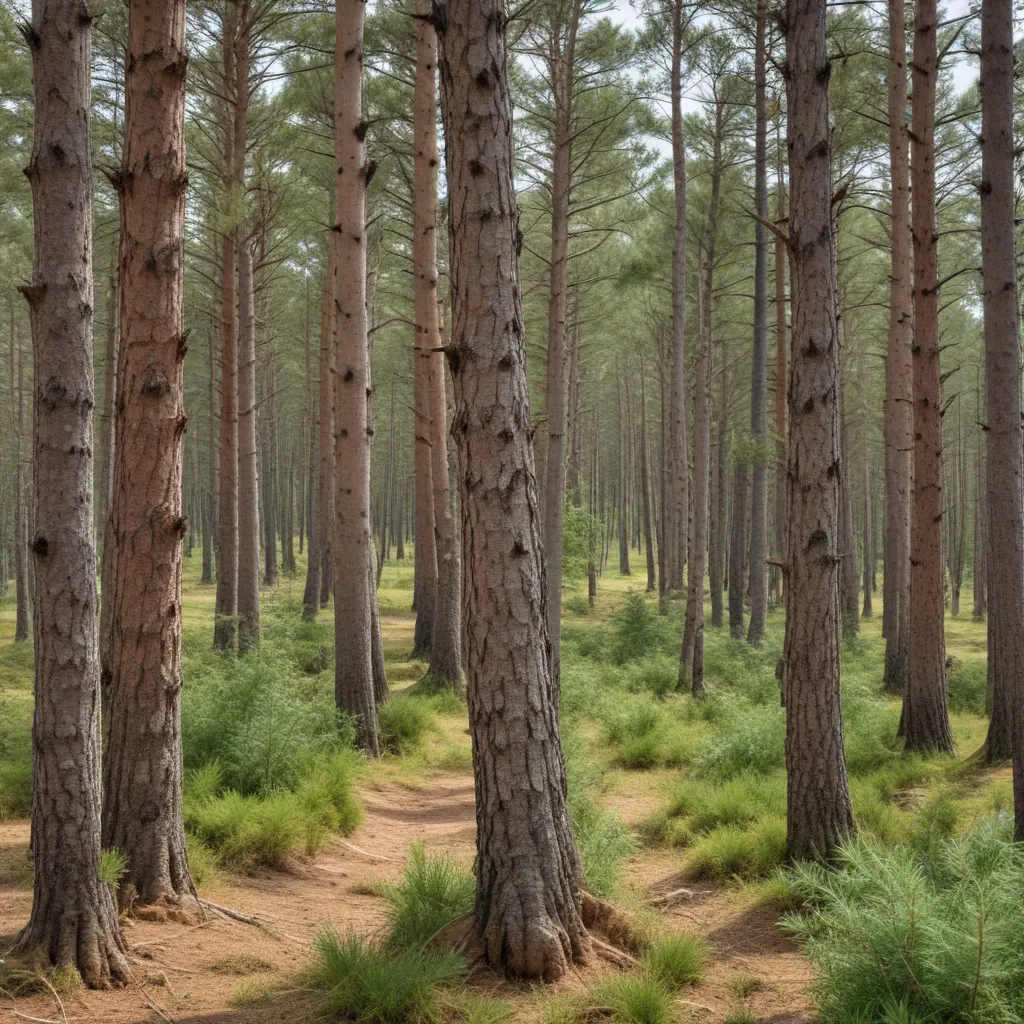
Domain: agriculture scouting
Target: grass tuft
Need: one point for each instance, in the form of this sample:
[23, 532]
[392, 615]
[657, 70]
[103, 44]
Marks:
[677, 961]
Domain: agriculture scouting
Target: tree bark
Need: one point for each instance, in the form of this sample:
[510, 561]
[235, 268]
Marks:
[353, 626]
[1004, 496]
[925, 714]
[325, 495]
[527, 918]
[248, 481]
[209, 541]
[142, 803]
[562, 72]
[311, 591]
[817, 794]
[74, 920]
[781, 377]
[445, 649]
[720, 497]
[868, 540]
[899, 399]
[691, 665]
[677, 476]
[738, 549]
[759, 369]
[645, 486]
[226, 613]
[22, 599]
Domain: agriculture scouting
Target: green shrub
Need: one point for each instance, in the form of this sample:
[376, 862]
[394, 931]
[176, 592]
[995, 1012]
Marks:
[918, 935]
[635, 1000]
[113, 866]
[639, 631]
[364, 984]
[402, 723]
[433, 892]
[578, 605]
[751, 740]
[705, 804]
[967, 683]
[731, 851]
[677, 961]
[658, 676]
[15, 754]
[202, 861]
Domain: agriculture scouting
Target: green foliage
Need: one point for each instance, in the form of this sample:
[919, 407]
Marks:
[433, 892]
[967, 683]
[934, 934]
[579, 532]
[402, 723]
[639, 631]
[364, 984]
[113, 865]
[202, 861]
[15, 756]
[635, 1000]
[677, 961]
[731, 851]
[702, 805]
[246, 831]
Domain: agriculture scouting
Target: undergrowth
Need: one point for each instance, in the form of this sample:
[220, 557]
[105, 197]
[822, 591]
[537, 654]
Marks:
[918, 934]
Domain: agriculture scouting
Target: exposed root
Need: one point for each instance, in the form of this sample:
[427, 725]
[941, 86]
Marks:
[620, 929]
[673, 898]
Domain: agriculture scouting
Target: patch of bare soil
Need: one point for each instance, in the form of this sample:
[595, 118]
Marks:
[227, 972]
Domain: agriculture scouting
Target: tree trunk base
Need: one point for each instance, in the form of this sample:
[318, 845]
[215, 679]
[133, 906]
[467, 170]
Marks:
[84, 940]
[186, 909]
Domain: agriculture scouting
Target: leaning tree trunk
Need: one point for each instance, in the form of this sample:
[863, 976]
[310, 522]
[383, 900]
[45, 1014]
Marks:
[899, 398]
[759, 371]
[1005, 499]
[817, 794]
[527, 918]
[142, 804]
[353, 625]
[74, 920]
[677, 482]
[925, 713]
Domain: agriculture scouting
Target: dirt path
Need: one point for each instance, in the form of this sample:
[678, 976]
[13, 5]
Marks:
[197, 974]
[193, 973]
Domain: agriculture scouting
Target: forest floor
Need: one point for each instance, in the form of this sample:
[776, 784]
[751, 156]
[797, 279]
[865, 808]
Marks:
[223, 970]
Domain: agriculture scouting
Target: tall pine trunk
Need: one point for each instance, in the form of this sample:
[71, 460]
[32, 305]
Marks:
[925, 713]
[248, 481]
[691, 665]
[1003, 386]
[527, 918]
[759, 370]
[353, 619]
[818, 810]
[677, 457]
[142, 798]
[226, 612]
[74, 920]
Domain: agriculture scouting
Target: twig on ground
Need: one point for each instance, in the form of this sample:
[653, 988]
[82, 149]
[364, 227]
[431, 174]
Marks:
[365, 853]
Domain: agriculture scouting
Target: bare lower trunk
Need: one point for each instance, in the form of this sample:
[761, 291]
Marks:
[691, 666]
[311, 591]
[561, 70]
[23, 604]
[720, 499]
[142, 809]
[353, 613]
[645, 485]
[1005, 499]
[738, 550]
[248, 482]
[74, 920]
[527, 917]
[325, 494]
[868, 541]
[781, 377]
[818, 800]
[759, 371]
[925, 714]
[899, 399]
[677, 470]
